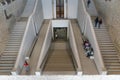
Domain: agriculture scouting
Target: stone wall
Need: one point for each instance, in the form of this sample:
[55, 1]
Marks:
[110, 11]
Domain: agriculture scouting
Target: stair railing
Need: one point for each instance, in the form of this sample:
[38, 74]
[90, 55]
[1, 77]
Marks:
[86, 26]
[74, 48]
[44, 50]
[34, 21]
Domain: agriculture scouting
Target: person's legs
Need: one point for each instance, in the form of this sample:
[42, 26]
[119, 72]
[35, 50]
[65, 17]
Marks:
[88, 3]
[88, 54]
[96, 24]
[99, 25]
[27, 68]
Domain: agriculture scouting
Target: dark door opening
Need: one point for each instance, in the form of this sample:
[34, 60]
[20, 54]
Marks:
[60, 33]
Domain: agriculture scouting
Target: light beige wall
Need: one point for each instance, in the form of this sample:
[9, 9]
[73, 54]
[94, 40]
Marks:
[110, 11]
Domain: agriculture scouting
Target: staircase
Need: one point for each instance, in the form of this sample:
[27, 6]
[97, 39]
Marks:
[8, 57]
[108, 51]
[59, 61]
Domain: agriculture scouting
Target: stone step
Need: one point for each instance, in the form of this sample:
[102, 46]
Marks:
[11, 49]
[101, 31]
[5, 71]
[19, 26]
[99, 41]
[59, 45]
[109, 50]
[109, 55]
[105, 35]
[8, 59]
[59, 72]
[15, 37]
[102, 45]
[6, 68]
[112, 61]
[102, 28]
[112, 64]
[18, 30]
[6, 65]
[16, 34]
[59, 68]
[113, 72]
[7, 62]
[15, 40]
[9, 53]
[110, 58]
[21, 23]
[106, 44]
[13, 45]
[114, 67]
[103, 39]
[16, 43]
[8, 56]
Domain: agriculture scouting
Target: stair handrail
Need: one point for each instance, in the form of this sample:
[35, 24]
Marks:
[75, 50]
[98, 48]
[44, 50]
[21, 56]
[98, 57]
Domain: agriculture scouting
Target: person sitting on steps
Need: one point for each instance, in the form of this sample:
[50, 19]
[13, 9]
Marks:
[27, 67]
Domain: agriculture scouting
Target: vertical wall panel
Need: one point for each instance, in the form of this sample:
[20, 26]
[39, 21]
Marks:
[47, 9]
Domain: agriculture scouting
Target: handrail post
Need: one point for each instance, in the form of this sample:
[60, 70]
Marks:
[38, 72]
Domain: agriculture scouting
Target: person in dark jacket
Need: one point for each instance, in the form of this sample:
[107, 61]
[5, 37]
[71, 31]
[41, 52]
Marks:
[88, 3]
[96, 21]
[100, 22]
